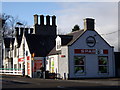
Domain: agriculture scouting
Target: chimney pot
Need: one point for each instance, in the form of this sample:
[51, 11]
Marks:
[47, 20]
[35, 19]
[41, 20]
[53, 20]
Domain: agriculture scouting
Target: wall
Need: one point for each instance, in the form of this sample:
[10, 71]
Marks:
[91, 60]
[28, 61]
[52, 64]
[15, 59]
[63, 62]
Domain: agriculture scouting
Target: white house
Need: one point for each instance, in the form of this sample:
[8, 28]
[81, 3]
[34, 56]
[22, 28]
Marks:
[31, 47]
[82, 54]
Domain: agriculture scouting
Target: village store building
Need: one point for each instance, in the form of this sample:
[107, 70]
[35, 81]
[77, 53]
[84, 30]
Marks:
[82, 54]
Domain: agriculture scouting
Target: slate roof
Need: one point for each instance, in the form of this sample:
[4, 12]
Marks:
[7, 42]
[76, 35]
[54, 52]
[19, 36]
[40, 45]
[67, 40]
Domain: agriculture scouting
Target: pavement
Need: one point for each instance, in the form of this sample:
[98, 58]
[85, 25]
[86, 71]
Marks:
[20, 83]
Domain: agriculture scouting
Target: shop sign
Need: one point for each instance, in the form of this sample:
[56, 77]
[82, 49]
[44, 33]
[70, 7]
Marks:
[28, 67]
[21, 59]
[28, 57]
[62, 56]
[85, 51]
[103, 51]
[91, 41]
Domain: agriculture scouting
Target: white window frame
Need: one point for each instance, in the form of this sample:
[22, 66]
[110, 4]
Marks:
[84, 65]
[106, 65]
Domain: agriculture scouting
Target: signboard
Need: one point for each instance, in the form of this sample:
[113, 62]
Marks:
[85, 51]
[28, 65]
[21, 59]
[91, 41]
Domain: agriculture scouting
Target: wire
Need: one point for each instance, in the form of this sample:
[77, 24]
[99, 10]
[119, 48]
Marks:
[110, 33]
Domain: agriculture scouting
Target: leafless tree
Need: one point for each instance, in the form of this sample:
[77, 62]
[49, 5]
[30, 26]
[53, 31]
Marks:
[10, 23]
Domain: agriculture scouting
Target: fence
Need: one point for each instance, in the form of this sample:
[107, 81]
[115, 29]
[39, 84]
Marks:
[10, 71]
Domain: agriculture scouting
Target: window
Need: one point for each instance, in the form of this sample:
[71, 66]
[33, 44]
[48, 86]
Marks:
[58, 45]
[102, 64]
[26, 53]
[15, 52]
[52, 65]
[79, 65]
[23, 47]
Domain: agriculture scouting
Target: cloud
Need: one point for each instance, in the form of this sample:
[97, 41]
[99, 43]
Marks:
[105, 14]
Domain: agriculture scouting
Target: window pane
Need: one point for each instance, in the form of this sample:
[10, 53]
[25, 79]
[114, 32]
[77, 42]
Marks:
[102, 60]
[79, 69]
[103, 69]
[79, 60]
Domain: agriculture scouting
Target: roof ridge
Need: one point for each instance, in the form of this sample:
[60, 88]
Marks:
[75, 31]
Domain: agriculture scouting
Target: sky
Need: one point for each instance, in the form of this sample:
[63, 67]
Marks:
[69, 14]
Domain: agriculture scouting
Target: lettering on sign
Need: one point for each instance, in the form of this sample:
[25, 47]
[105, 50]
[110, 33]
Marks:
[85, 51]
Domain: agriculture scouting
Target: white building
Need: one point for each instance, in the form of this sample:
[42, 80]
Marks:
[31, 47]
[82, 54]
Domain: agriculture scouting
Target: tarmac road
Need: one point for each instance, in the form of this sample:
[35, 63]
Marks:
[20, 83]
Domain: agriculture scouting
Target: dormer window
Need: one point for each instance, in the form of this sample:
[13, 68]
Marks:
[58, 43]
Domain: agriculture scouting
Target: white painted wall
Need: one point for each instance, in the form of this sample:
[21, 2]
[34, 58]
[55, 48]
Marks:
[63, 63]
[91, 60]
[27, 61]
[15, 59]
[49, 64]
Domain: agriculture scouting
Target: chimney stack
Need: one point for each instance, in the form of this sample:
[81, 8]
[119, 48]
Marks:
[88, 24]
[26, 31]
[41, 20]
[47, 20]
[35, 19]
[54, 20]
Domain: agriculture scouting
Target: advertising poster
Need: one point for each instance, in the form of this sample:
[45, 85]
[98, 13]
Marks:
[28, 65]
[37, 65]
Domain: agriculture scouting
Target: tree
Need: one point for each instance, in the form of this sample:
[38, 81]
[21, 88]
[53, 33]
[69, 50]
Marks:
[10, 24]
[76, 27]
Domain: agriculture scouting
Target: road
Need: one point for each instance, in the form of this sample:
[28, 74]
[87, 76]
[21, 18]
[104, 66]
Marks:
[20, 83]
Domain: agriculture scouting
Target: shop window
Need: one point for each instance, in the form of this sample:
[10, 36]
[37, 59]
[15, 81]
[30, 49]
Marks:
[102, 64]
[79, 65]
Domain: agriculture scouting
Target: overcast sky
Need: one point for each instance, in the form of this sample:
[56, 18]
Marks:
[69, 14]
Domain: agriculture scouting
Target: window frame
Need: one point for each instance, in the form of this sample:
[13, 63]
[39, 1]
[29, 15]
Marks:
[82, 65]
[106, 65]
